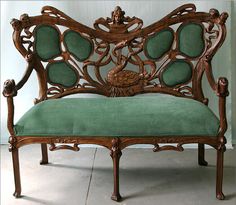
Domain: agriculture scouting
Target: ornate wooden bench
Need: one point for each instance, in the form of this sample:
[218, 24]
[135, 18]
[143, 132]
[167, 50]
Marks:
[118, 58]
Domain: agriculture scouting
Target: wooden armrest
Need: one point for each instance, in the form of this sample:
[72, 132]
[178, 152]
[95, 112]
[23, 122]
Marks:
[10, 88]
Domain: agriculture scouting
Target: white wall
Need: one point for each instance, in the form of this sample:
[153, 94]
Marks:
[13, 65]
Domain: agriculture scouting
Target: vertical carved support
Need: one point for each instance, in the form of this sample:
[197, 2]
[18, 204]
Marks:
[42, 80]
[44, 154]
[222, 92]
[16, 168]
[115, 155]
[201, 155]
[10, 117]
[219, 173]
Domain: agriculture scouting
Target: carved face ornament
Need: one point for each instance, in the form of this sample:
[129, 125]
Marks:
[118, 16]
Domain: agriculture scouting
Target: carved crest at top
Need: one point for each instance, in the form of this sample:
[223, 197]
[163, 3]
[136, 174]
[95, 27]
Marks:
[118, 23]
[118, 16]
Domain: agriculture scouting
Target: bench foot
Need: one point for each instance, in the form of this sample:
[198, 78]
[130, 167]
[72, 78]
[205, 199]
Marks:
[203, 163]
[115, 155]
[16, 194]
[44, 154]
[116, 197]
[16, 168]
[201, 155]
[219, 173]
[220, 196]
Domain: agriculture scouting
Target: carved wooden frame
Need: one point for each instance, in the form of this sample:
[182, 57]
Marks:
[120, 36]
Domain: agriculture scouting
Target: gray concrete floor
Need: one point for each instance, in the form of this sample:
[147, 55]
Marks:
[85, 177]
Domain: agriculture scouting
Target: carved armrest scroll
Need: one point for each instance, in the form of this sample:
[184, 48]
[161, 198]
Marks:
[9, 88]
[222, 87]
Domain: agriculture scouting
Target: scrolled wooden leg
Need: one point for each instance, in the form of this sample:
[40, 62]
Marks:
[44, 154]
[201, 155]
[219, 173]
[16, 168]
[115, 155]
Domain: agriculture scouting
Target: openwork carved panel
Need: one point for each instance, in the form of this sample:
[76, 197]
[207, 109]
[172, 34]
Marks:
[119, 57]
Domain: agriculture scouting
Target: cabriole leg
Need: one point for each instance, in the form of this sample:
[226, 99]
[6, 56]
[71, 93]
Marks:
[219, 173]
[16, 168]
[44, 154]
[201, 155]
[116, 154]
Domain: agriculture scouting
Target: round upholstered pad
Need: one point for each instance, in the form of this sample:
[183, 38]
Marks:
[47, 42]
[177, 72]
[79, 46]
[159, 44]
[62, 73]
[190, 39]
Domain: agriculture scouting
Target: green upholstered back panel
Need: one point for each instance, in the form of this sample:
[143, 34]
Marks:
[47, 42]
[48, 46]
[190, 39]
[189, 45]
[80, 47]
[177, 72]
[159, 44]
[161, 115]
[62, 73]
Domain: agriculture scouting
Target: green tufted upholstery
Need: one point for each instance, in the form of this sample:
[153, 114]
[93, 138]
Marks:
[191, 41]
[62, 73]
[158, 44]
[177, 72]
[80, 47]
[159, 115]
[47, 42]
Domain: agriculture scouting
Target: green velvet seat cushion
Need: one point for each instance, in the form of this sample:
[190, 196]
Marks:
[161, 115]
